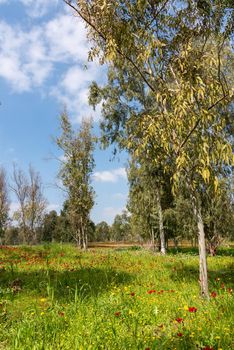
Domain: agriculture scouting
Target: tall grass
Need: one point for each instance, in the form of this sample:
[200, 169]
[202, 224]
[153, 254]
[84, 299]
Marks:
[57, 297]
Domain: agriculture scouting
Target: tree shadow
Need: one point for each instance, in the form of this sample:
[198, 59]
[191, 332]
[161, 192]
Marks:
[217, 278]
[222, 251]
[64, 286]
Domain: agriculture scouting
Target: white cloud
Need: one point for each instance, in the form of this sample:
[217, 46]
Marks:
[110, 175]
[14, 206]
[120, 196]
[3, 1]
[35, 59]
[53, 206]
[109, 213]
[38, 8]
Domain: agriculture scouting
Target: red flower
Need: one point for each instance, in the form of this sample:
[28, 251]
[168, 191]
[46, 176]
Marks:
[208, 348]
[213, 295]
[180, 334]
[61, 313]
[229, 290]
[192, 309]
[179, 320]
[132, 294]
[151, 291]
[117, 313]
[147, 348]
[222, 286]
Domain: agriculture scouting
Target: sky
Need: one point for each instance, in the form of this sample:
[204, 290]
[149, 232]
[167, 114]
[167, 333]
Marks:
[43, 66]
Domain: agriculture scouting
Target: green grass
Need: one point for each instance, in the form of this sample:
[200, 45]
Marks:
[57, 297]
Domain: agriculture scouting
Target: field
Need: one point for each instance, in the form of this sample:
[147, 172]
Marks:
[57, 297]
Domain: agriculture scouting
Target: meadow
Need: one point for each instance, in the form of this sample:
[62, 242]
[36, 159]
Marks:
[58, 297]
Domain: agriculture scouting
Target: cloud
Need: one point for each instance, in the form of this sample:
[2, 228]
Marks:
[38, 8]
[14, 206]
[110, 175]
[120, 196]
[51, 57]
[109, 213]
[73, 91]
[53, 206]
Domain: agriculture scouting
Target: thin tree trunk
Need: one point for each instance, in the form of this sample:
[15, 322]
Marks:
[202, 250]
[161, 227]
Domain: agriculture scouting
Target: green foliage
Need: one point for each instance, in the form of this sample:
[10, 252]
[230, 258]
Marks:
[121, 229]
[75, 174]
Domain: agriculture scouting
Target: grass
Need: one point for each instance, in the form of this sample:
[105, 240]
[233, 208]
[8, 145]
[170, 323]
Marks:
[56, 297]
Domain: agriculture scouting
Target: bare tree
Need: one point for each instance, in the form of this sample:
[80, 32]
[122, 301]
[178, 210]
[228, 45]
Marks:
[32, 203]
[4, 203]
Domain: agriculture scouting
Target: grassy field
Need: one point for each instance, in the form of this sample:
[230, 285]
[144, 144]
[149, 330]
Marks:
[56, 297]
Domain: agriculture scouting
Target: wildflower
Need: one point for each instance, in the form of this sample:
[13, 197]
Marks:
[117, 313]
[192, 309]
[229, 290]
[132, 294]
[208, 348]
[42, 313]
[61, 313]
[180, 334]
[42, 300]
[179, 320]
[213, 295]
[151, 291]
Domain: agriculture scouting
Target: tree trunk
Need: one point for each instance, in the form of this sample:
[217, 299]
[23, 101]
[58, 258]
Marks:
[161, 227]
[202, 250]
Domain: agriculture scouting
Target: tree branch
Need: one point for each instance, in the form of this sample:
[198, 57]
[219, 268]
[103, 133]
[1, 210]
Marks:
[197, 123]
[87, 21]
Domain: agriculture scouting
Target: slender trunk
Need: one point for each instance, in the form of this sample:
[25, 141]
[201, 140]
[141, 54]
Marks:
[152, 238]
[202, 250]
[161, 227]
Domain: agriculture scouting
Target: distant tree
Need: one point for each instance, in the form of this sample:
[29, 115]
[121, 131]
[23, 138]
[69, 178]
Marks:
[32, 203]
[121, 228]
[49, 226]
[4, 203]
[75, 174]
[102, 232]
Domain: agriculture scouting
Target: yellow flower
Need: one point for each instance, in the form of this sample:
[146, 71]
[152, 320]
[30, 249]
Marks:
[42, 300]
[185, 307]
[218, 337]
[42, 313]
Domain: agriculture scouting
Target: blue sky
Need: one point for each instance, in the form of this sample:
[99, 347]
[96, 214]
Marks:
[43, 53]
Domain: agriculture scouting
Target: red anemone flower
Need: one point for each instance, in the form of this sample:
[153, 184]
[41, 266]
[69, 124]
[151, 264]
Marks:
[180, 334]
[179, 320]
[151, 291]
[117, 313]
[192, 309]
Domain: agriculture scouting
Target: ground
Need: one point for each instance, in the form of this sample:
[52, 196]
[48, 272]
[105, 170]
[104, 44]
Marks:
[57, 297]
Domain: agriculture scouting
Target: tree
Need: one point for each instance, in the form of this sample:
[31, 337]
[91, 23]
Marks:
[121, 229]
[169, 49]
[102, 232]
[4, 203]
[75, 174]
[49, 226]
[32, 203]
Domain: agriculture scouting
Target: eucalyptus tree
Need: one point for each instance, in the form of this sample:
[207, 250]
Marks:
[4, 202]
[177, 49]
[75, 173]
